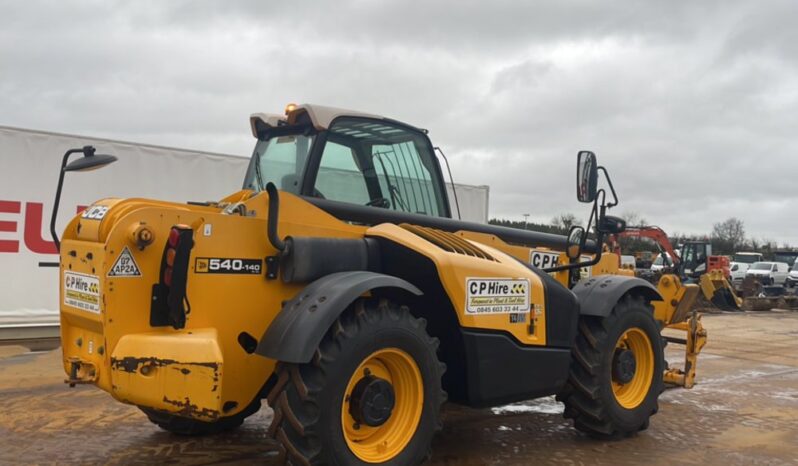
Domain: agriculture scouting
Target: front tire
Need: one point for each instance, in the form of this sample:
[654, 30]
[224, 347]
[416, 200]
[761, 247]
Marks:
[371, 395]
[616, 371]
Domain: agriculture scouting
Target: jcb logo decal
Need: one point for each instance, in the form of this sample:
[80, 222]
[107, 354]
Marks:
[95, 212]
[202, 266]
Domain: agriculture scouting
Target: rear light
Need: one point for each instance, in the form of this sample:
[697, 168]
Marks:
[169, 301]
[174, 236]
[167, 277]
[177, 234]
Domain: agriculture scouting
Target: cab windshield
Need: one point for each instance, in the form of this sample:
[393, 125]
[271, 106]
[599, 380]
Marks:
[359, 161]
[761, 266]
[279, 160]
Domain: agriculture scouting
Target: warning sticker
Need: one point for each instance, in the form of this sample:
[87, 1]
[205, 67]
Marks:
[82, 291]
[125, 266]
[497, 296]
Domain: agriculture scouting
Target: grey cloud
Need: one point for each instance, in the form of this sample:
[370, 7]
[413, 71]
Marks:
[691, 105]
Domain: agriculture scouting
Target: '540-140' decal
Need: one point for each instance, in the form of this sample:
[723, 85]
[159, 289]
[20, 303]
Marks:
[228, 265]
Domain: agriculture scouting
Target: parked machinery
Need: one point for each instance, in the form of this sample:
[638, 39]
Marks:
[694, 263]
[695, 271]
[336, 286]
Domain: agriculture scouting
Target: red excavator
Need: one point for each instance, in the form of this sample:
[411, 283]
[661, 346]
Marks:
[695, 263]
[695, 259]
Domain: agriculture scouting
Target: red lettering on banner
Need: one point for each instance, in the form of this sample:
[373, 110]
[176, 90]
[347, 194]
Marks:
[9, 207]
[33, 221]
[33, 230]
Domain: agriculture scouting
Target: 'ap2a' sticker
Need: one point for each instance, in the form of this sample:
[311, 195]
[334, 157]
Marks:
[125, 265]
[95, 212]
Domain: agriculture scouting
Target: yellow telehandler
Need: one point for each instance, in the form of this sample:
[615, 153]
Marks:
[336, 286]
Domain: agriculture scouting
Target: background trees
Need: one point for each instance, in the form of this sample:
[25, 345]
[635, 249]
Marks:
[727, 237]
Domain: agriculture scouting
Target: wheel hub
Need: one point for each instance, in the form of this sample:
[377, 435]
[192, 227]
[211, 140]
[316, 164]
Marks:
[372, 401]
[624, 366]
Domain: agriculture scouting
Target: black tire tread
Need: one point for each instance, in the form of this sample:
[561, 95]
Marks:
[584, 402]
[294, 397]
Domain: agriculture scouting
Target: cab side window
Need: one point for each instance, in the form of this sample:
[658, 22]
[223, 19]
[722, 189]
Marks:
[405, 178]
[382, 164]
[339, 178]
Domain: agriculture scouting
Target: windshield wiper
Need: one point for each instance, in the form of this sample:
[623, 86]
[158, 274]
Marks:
[398, 197]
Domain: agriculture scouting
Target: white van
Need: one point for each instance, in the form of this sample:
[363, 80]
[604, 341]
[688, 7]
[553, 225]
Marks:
[792, 278]
[769, 273]
[740, 262]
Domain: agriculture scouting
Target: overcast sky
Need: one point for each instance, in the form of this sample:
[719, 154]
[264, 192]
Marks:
[692, 106]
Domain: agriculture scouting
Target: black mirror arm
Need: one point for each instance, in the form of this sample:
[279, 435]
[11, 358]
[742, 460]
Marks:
[599, 240]
[57, 200]
[579, 265]
[597, 213]
[612, 188]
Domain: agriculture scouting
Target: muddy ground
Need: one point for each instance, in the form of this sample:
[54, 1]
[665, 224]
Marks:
[744, 411]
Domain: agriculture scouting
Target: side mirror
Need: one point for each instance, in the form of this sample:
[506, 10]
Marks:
[89, 161]
[611, 225]
[586, 176]
[576, 240]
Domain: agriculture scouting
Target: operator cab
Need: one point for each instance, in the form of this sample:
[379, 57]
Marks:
[350, 157]
[694, 258]
[366, 168]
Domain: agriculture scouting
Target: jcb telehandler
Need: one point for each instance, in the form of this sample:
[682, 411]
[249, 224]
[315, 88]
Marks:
[337, 286]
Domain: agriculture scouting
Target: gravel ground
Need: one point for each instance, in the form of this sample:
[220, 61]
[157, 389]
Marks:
[743, 411]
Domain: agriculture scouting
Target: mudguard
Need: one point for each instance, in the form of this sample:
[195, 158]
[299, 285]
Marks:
[297, 330]
[598, 295]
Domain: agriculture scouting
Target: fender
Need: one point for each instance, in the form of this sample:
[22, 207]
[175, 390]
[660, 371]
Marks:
[598, 295]
[296, 332]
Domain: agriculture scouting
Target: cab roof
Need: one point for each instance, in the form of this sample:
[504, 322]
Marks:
[320, 117]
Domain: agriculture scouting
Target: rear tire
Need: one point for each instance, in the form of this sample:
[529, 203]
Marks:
[598, 396]
[312, 402]
[192, 427]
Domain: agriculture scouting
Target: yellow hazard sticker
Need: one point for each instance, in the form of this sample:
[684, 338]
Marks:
[496, 296]
[82, 291]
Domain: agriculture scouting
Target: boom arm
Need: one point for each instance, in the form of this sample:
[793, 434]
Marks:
[652, 232]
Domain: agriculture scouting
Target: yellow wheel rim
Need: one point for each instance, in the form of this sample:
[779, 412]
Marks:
[632, 393]
[383, 443]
